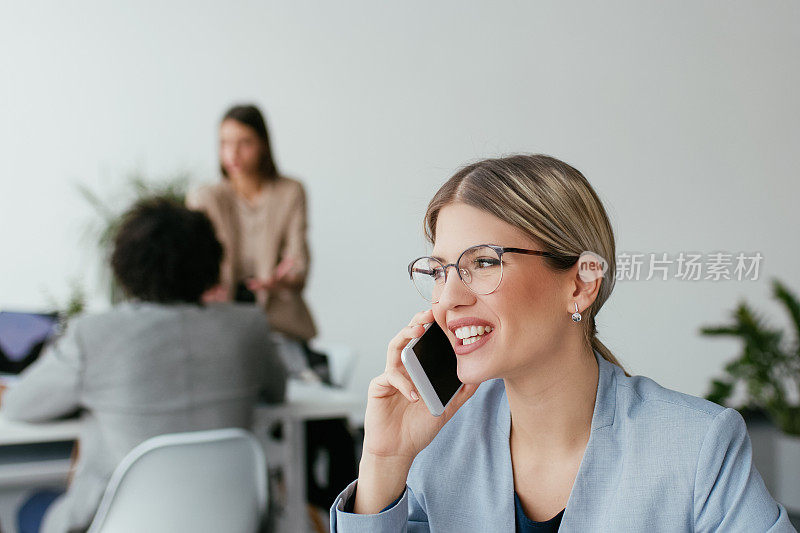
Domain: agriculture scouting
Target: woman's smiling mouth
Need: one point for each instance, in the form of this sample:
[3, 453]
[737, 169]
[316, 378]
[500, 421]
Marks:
[470, 333]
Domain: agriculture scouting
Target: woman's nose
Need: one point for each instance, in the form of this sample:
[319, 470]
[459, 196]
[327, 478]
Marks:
[454, 292]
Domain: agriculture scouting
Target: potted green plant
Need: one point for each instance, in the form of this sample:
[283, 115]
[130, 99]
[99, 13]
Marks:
[72, 306]
[768, 369]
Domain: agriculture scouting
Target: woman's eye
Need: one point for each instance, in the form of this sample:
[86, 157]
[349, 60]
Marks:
[437, 273]
[486, 262]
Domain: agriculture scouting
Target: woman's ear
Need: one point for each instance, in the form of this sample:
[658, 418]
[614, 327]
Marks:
[582, 289]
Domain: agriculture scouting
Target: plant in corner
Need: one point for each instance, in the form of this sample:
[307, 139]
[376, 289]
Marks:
[769, 366]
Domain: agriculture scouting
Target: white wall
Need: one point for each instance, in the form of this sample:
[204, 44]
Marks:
[684, 115]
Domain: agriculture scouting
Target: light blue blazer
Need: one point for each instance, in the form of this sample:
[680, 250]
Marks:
[656, 460]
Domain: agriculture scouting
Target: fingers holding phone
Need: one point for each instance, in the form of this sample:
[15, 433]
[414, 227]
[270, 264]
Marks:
[394, 364]
[420, 380]
[414, 330]
[399, 423]
[393, 403]
[432, 365]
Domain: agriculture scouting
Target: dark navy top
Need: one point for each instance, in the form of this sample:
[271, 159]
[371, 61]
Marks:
[526, 525]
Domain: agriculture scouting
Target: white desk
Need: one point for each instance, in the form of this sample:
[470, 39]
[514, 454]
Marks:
[23, 433]
[305, 402]
[40, 472]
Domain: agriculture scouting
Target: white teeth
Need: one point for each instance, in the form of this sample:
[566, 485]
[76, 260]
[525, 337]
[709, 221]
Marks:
[470, 334]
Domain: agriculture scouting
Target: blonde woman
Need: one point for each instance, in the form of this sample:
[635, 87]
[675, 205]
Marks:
[549, 432]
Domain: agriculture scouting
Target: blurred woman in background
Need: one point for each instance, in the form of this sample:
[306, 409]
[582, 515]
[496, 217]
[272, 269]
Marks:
[260, 218]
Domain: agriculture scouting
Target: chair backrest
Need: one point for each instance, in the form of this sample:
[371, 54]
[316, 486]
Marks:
[187, 482]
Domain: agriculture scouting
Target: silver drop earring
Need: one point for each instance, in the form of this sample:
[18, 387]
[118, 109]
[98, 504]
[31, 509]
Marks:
[576, 316]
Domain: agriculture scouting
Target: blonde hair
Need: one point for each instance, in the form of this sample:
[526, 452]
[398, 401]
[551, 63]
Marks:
[548, 200]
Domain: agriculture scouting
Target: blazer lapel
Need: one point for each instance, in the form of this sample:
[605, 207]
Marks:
[502, 517]
[599, 471]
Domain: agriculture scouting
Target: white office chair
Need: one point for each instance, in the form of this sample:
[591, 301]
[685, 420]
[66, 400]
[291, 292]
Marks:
[205, 481]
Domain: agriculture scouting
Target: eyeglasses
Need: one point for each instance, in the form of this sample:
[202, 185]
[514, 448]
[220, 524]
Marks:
[480, 269]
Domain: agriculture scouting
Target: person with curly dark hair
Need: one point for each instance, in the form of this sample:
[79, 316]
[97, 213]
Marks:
[161, 362]
[165, 253]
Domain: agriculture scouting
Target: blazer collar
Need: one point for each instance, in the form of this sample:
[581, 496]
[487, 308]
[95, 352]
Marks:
[605, 402]
[600, 465]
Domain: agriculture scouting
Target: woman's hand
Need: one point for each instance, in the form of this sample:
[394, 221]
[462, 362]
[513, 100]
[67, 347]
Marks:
[283, 276]
[397, 425]
[218, 293]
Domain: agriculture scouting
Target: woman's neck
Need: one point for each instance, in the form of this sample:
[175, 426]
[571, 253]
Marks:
[552, 404]
[247, 186]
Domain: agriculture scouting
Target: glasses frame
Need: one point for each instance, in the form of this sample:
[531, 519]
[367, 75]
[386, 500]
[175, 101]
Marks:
[499, 250]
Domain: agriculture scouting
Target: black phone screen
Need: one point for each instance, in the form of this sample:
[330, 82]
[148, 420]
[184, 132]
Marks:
[438, 360]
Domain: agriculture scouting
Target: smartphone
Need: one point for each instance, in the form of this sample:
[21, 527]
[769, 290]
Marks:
[431, 363]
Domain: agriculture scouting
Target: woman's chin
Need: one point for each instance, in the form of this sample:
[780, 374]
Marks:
[471, 373]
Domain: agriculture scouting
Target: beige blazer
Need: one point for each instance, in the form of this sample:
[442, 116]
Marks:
[286, 217]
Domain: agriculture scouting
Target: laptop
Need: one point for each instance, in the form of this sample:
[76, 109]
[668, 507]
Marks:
[22, 338]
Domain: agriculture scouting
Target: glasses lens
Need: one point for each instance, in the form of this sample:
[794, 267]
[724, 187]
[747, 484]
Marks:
[481, 269]
[428, 276]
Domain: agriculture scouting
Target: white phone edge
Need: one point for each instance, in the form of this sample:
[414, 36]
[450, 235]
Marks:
[420, 378]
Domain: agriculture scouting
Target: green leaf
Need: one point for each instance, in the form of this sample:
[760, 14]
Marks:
[768, 365]
[720, 391]
[792, 305]
[720, 330]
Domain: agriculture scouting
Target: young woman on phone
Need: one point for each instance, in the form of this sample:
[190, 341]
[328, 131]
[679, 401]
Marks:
[548, 432]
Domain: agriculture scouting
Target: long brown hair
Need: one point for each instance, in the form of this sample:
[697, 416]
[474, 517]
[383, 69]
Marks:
[551, 202]
[251, 116]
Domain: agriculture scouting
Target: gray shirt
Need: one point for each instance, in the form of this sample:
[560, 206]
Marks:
[142, 370]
